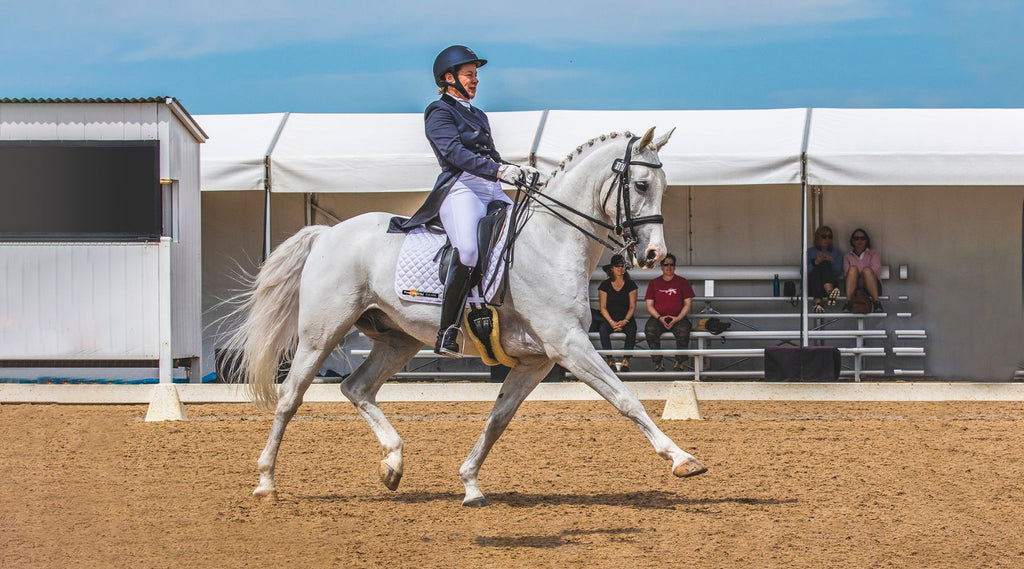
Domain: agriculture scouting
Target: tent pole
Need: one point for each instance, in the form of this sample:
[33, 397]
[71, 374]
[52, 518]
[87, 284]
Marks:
[266, 207]
[268, 184]
[803, 249]
[804, 326]
[817, 205]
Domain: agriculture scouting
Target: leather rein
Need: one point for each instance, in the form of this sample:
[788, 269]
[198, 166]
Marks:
[625, 223]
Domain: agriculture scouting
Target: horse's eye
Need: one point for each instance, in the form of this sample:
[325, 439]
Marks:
[641, 186]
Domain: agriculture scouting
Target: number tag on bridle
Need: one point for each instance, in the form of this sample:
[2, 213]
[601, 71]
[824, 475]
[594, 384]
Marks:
[619, 166]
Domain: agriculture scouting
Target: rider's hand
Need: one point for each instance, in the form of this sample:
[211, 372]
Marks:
[511, 174]
[529, 172]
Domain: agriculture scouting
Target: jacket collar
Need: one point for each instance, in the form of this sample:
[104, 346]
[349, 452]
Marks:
[470, 113]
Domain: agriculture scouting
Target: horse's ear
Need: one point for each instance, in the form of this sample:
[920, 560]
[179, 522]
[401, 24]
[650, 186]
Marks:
[645, 139]
[663, 139]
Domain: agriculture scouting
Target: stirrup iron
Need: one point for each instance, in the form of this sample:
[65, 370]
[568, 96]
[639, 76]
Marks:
[448, 344]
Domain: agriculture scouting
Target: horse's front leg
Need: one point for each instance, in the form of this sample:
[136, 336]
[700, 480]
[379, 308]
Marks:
[578, 355]
[521, 380]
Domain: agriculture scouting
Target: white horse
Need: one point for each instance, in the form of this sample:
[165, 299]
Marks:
[324, 280]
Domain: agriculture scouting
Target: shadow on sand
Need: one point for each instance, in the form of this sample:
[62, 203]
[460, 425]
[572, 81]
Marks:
[651, 499]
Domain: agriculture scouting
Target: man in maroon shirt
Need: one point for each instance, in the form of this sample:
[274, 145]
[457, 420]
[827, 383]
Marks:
[668, 301]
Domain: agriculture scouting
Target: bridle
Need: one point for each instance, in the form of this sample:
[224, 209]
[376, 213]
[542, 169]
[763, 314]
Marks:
[625, 224]
[622, 202]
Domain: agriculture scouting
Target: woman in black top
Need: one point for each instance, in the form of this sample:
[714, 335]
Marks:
[618, 295]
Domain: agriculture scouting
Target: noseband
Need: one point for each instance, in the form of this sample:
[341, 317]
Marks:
[625, 223]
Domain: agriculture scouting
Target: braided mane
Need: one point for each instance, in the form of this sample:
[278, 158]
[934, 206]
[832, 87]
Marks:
[565, 164]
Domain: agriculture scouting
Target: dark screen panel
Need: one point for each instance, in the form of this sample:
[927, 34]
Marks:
[82, 190]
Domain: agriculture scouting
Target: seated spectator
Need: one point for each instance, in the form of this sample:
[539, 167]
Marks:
[668, 301]
[824, 269]
[863, 266]
[617, 295]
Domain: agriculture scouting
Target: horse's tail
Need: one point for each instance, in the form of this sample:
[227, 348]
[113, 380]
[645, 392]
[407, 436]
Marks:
[268, 309]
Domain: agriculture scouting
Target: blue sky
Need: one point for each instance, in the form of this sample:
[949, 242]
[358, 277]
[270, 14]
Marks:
[233, 56]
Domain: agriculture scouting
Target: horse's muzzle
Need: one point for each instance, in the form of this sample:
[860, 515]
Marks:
[648, 262]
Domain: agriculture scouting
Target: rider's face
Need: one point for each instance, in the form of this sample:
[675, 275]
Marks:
[465, 75]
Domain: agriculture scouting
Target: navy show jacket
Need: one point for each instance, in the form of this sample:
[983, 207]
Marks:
[461, 139]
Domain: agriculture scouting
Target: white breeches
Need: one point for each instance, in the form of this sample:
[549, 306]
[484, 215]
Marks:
[461, 212]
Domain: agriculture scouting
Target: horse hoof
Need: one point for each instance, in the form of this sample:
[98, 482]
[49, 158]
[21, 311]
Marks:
[689, 467]
[479, 502]
[265, 495]
[389, 476]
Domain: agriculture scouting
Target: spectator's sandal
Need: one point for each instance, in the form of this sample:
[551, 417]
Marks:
[819, 309]
[833, 295]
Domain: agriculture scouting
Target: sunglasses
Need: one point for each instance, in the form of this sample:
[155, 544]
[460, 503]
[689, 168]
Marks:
[827, 236]
[619, 265]
[663, 264]
[859, 238]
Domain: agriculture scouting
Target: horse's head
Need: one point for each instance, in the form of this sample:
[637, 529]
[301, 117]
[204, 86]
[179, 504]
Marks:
[625, 197]
[640, 186]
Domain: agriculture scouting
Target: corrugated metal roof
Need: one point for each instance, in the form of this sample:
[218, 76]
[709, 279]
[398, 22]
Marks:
[175, 106]
[85, 100]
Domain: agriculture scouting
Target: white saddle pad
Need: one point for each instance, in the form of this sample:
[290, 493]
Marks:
[416, 278]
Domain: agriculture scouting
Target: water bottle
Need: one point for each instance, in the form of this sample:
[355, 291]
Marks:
[775, 286]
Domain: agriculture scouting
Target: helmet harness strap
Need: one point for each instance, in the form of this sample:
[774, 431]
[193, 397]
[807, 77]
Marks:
[457, 84]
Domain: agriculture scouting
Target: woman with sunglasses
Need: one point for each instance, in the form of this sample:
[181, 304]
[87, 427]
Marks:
[617, 295]
[863, 265]
[824, 269]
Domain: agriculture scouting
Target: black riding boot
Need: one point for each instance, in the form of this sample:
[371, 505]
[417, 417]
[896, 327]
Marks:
[456, 290]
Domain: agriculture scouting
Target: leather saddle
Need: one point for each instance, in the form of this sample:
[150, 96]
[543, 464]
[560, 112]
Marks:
[487, 233]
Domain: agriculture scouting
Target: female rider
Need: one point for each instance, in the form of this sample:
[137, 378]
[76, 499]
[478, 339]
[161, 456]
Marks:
[471, 168]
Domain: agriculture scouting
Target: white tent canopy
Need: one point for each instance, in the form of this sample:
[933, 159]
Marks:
[354, 153]
[332, 153]
[707, 148]
[339, 153]
[233, 157]
[916, 147]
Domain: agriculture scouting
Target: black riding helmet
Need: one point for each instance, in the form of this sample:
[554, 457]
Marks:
[449, 60]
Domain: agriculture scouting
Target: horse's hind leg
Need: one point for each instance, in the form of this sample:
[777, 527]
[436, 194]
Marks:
[306, 362]
[390, 352]
[521, 380]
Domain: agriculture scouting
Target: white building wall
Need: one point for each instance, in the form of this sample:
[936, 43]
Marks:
[182, 154]
[79, 301]
[98, 300]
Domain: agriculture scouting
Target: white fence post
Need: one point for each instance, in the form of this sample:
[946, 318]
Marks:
[164, 284]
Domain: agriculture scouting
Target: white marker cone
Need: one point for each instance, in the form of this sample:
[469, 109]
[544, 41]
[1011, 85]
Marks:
[165, 405]
[682, 402]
